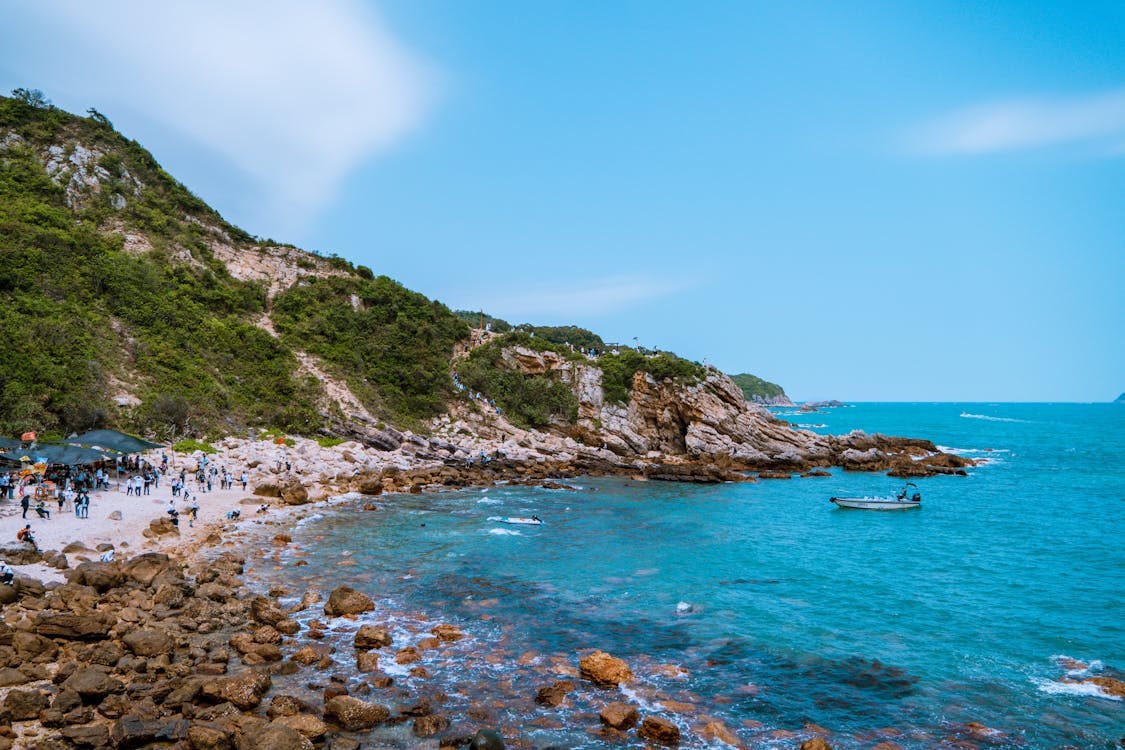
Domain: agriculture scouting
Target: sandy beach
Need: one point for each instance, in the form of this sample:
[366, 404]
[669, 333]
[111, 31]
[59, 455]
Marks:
[120, 519]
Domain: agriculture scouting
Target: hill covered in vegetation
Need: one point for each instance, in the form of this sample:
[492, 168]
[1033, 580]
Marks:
[129, 303]
[760, 391]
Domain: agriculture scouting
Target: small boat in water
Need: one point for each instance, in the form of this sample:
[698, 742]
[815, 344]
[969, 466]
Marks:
[533, 521]
[903, 501]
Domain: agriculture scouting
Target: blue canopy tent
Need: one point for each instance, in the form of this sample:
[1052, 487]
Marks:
[112, 440]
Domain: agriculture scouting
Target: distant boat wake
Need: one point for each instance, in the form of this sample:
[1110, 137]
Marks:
[985, 417]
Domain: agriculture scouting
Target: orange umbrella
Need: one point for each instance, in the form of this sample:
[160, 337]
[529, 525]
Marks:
[27, 436]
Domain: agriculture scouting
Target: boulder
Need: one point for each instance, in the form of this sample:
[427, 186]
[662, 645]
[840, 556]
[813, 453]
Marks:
[604, 670]
[92, 685]
[275, 736]
[307, 724]
[487, 739]
[98, 575]
[619, 715]
[658, 730]
[371, 636]
[448, 633]
[144, 568]
[430, 725]
[244, 690]
[816, 743]
[345, 600]
[148, 642]
[353, 714]
[717, 730]
[209, 736]
[366, 662]
[75, 626]
[554, 694]
[22, 705]
[160, 527]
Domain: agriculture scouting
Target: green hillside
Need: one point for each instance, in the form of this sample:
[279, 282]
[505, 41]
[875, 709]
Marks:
[168, 329]
[752, 386]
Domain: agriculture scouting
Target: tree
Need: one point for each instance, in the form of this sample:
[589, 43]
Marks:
[32, 98]
[99, 118]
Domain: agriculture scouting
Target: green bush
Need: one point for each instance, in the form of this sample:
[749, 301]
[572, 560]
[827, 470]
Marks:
[325, 441]
[618, 371]
[532, 401]
[191, 446]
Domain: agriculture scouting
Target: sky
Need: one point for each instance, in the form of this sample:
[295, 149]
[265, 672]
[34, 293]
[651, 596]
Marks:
[867, 201]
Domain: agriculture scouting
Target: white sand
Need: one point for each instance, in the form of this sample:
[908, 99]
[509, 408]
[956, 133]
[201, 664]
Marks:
[125, 534]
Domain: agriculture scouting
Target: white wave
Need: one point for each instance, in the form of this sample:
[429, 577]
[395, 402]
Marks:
[965, 451]
[1077, 667]
[1088, 689]
[309, 519]
[504, 532]
[968, 415]
[489, 501]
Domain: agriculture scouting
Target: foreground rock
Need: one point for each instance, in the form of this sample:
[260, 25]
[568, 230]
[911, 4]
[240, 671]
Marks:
[604, 670]
[345, 600]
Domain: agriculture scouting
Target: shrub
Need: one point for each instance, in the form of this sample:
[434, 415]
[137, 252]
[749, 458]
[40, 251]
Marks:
[191, 446]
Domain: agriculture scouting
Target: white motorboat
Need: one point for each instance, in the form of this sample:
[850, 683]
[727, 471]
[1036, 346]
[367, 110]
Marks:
[903, 501]
[532, 521]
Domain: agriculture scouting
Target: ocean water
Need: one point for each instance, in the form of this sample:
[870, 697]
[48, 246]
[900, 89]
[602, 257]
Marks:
[765, 607]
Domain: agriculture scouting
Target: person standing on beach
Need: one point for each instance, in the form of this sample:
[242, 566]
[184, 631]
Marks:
[194, 511]
[25, 503]
[244, 480]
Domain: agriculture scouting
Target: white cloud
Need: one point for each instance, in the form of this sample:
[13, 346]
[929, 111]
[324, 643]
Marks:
[575, 299]
[1026, 123]
[291, 94]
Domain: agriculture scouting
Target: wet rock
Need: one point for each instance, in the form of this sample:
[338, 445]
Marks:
[408, 655]
[347, 601]
[717, 730]
[448, 633]
[816, 743]
[487, 739]
[430, 725]
[604, 670]
[555, 694]
[658, 730]
[371, 636]
[285, 705]
[1109, 685]
[25, 704]
[243, 690]
[367, 661]
[353, 714]
[619, 715]
[86, 626]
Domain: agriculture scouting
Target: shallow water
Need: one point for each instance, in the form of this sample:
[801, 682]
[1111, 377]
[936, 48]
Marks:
[902, 626]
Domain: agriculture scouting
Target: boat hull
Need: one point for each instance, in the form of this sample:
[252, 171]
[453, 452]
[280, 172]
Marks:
[863, 503]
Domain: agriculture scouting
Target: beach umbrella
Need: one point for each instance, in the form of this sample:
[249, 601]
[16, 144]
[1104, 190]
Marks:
[27, 437]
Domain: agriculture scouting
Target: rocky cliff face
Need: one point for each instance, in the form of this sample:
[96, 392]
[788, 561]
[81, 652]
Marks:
[710, 422]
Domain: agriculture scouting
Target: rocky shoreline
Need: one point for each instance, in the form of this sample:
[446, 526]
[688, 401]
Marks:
[166, 648]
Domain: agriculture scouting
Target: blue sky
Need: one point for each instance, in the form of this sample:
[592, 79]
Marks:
[883, 201]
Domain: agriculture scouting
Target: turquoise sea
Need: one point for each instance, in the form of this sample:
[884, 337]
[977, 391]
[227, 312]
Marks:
[947, 626]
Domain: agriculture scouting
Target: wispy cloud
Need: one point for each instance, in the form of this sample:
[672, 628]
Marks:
[576, 299]
[1026, 123]
[291, 94]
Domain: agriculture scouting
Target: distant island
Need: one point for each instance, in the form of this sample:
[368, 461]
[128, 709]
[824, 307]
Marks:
[1120, 399]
